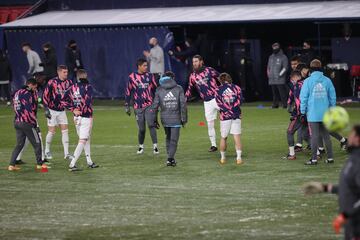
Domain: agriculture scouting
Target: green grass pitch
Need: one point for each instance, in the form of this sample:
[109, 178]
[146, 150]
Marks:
[138, 197]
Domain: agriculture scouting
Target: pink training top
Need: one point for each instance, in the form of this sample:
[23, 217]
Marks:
[55, 92]
[205, 83]
[80, 96]
[228, 98]
[140, 87]
[25, 106]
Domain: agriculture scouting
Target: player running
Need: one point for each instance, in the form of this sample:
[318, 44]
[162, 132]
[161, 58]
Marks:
[79, 100]
[141, 88]
[25, 108]
[228, 98]
[171, 100]
[204, 80]
[53, 98]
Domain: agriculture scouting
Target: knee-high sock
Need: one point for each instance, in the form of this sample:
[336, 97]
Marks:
[65, 141]
[87, 153]
[211, 132]
[78, 150]
[23, 149]
[49, 138]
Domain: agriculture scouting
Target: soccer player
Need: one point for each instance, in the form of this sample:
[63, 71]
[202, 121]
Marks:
[347, 189]
[316, 97]
[204, 80]
[53, 98]
[79, 100]
[141, 88]
[294, 110]
[41, 81]
[228, 99]
[25, 108]
[170, 98]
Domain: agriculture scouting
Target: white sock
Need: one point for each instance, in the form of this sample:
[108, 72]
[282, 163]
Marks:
[49, 138]
[238, 154]
[299, 144]
[222, 155]
[321, 148]
[343, 140]
[141, 145]
[155, 145]
[23, 149]
[318, 152]
[65, 141]
[212, 133]
[42, 147]
[87, 153]
[77, 153]
[292, 151]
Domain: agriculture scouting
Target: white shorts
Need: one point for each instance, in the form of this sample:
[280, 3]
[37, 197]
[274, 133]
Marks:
[57, 118]
[83, 127]
[211, 109]
[230, 126]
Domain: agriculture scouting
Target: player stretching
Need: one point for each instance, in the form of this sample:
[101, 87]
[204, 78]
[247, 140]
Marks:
[55, 111]
[228, 98]
[80, 103]
[25, 108]
[204, 79]
[141, 88]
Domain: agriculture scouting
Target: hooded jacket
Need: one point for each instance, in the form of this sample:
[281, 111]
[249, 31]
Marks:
[277, 67]
[170, 98]
[317, 95]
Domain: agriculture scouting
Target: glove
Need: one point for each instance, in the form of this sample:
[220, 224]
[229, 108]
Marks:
[338, 222]
[37, 129]
[47, 113]
[183, 123]
[127, 110]
[156, 124]
[313, 187]
[303, 119]
[290, 108]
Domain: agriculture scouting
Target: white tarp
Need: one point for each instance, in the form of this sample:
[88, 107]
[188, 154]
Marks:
[222, 13]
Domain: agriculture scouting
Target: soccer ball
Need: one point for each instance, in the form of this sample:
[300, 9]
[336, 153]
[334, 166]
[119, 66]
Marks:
[336, 119]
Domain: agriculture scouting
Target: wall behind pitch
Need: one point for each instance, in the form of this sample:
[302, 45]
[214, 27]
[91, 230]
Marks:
[109, 54]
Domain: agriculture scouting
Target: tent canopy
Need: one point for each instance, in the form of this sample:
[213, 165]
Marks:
[345, 10]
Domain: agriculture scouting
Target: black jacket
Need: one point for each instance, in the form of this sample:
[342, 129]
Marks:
[73, 59]
[5, 71]
[349, 186]
[49, 62]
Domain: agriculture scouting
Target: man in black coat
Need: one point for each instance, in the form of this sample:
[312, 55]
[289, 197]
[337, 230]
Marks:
[49, 61]
[73, 59]
[5, 78]
[348, 190]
